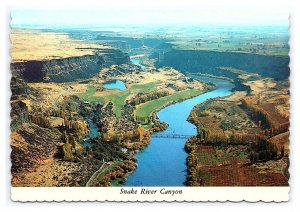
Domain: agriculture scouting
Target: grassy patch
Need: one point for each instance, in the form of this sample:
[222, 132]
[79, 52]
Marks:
[89, 95]
[145, 109]
[147, 126]
[119, 97]
[118, 100]
[148, 87]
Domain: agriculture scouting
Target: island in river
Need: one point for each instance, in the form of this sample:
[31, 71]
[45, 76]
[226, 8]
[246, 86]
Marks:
[90, 114]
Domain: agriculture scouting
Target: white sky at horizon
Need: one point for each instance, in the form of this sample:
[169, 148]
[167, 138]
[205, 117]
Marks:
[141, 15]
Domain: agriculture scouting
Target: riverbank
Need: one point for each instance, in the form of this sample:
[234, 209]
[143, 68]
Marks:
[156, 160]
[116, 175]
[159, 126]
[235, 147]
[137, 146]
[111, 174]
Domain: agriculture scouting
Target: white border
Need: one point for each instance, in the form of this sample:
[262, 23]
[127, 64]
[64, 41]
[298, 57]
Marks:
[184, 194]
[5, 200]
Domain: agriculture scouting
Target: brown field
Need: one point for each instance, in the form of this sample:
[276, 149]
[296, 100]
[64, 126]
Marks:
[228, 167]
[36, 45]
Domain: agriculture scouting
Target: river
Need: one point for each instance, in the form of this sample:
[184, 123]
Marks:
[163, 162]
[136, 61]
[93, 131]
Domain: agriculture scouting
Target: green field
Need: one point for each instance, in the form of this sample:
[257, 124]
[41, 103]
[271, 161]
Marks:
[144, 110]
[89, 94]
[148, 87]
[118, 98]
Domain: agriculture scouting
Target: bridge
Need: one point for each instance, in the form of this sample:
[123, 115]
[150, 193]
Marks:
[160, 135]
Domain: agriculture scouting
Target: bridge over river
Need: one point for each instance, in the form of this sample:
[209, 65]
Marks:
[160, 135]
[163, 162]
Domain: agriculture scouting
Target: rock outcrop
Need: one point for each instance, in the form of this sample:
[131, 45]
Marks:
[67, 69]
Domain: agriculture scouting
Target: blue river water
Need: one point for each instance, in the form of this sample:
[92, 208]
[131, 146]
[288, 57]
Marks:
[136, 61]
[115, 84]
[93, 132]
[163, 162]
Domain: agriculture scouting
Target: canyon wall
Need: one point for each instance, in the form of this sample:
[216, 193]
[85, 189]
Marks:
[209, 62]
[67, 69]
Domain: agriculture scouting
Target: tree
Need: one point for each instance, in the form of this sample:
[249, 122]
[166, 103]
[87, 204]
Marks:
[67, 150]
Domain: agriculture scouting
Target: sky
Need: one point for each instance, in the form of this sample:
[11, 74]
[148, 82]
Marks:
[139, 14]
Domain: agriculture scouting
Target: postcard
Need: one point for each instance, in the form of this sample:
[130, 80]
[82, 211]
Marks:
[186, 104]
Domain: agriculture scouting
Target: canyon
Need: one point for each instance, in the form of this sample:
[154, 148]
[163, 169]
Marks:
[70, 126]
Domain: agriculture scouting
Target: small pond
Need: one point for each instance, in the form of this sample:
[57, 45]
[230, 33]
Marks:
[115, 84]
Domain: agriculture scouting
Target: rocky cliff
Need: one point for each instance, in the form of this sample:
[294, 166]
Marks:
[67, 69]
[210, 62]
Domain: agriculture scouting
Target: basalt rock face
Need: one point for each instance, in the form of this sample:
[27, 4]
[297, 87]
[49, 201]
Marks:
[19, 88]
[113, 57]
[209, 62]
[67, 69]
